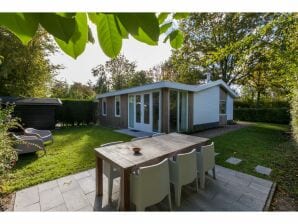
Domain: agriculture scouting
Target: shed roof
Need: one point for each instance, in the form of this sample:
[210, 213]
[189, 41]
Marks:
[172, 85]
[30, 101]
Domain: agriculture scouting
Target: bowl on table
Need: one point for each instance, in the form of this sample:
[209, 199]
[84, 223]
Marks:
[136, 150]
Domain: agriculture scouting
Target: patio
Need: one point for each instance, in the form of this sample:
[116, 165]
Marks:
[231, 191]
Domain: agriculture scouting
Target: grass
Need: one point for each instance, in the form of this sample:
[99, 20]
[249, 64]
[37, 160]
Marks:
[71, 152]
[262, 144]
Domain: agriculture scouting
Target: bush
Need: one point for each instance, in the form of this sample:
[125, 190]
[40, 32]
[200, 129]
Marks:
[8, 155]
[294, 115]
[262, 104]
[270, 115]
[76, 112]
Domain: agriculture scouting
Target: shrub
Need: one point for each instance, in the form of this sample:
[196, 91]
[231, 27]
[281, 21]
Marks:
[76, 112]
[262, 104]
[271, 115]
[294, 115]
[8, 155]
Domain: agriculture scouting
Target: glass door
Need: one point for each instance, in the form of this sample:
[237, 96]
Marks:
[155, 112]
[131, 112]
[143, 112]
[173, 110]
[178, 111]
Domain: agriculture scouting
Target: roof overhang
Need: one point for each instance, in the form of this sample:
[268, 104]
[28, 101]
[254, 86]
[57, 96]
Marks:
[170, 85]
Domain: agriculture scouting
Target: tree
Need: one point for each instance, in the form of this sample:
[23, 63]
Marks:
[26, 70]
[71, 31]
[59, 89]
[102, 83]
[140, 78]
[80, 91]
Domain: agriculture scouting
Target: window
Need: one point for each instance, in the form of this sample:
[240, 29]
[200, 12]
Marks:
[138, 109]
[104, 107]
[117, 106]
[222, 107]
[146, 109]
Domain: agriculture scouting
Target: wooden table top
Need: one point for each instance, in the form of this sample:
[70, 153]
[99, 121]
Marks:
[152, 148]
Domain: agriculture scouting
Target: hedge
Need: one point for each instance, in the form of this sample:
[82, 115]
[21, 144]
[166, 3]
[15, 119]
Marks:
[261, 104]
[271, 115]
[76, 112]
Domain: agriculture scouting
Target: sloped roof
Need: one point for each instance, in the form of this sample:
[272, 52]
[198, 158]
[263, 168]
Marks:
[171, 85]
[30, 101]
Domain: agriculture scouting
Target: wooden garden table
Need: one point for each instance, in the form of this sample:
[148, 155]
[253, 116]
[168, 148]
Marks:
[153, 150]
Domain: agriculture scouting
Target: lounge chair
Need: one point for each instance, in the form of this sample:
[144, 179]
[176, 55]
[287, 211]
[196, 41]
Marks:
[44, 135]
[28, 144]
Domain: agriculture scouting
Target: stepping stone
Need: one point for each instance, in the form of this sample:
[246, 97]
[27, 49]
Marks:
[263, 170]
[216, 153]
[233, 160]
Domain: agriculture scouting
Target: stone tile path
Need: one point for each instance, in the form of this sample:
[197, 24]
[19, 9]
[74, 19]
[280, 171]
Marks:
[263, 170]
[134, 133]
[233, 160]
[231, 191]
[213, 132]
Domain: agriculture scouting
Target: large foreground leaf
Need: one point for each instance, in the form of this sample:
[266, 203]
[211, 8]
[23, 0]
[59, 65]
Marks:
[77, 43]
[109, 38]
[61, 27]
[23, 25]
[176, 39]
[142, 26]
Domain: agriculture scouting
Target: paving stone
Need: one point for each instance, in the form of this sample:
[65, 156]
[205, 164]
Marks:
[26, 197]
[87, 184]
[233, 160]
[251, 202]
[216, 153]
[47, 185]
[81, 175]
[67, 183]
[50, 198]
[260, 188]
[88, 208]
[263, 182]
[75, 199]
[263, 170]
[58, 208]
[30, 208]
[92, 172]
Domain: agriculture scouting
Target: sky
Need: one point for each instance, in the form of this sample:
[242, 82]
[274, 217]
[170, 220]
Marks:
[79, 70]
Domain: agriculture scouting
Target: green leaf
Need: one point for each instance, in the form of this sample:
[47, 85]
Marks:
[162, 17]
[142, 26]
[59, 26]
[77, 43]
[121, 29]
[165, 27]
[180, 15]
[176, 39]
[23, 25]
[109, 38]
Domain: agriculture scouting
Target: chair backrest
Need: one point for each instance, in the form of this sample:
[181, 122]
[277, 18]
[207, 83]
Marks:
[158, 134]
[208, 156]
[111, 143]
[151, 184]
[139, 138]
[187, 166]
[30, 130]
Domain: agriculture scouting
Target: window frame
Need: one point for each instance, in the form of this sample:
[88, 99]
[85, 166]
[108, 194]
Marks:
[117, 99]
[220, 102]
[104, 112]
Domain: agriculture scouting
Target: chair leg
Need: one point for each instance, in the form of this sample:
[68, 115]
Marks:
[202, 180]
[177, 195]
[213, 170]
[170, 201]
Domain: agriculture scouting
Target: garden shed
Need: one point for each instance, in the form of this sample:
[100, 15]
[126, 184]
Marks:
[36, 113]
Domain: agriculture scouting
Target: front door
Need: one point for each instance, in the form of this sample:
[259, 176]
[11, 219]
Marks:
[143, 112]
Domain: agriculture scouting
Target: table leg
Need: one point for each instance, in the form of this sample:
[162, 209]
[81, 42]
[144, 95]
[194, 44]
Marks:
[125, 190]
[99, 181]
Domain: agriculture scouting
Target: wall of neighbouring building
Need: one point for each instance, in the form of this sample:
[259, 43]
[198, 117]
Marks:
[110, 119]
[230, 108]
[206, 108]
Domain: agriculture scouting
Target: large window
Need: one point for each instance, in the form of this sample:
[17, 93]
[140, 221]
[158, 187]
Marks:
[173, 110]
[222, 107]
[117, 106]
[155, 113]
[138, 109]
[104, 107]
[146, 108]
[178, 111]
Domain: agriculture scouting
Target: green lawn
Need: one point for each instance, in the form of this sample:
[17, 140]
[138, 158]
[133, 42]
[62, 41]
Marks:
[71, 152]
[262, 144]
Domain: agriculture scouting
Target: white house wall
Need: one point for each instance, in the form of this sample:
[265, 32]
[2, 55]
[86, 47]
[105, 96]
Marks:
[206, 106]
[230, 102]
